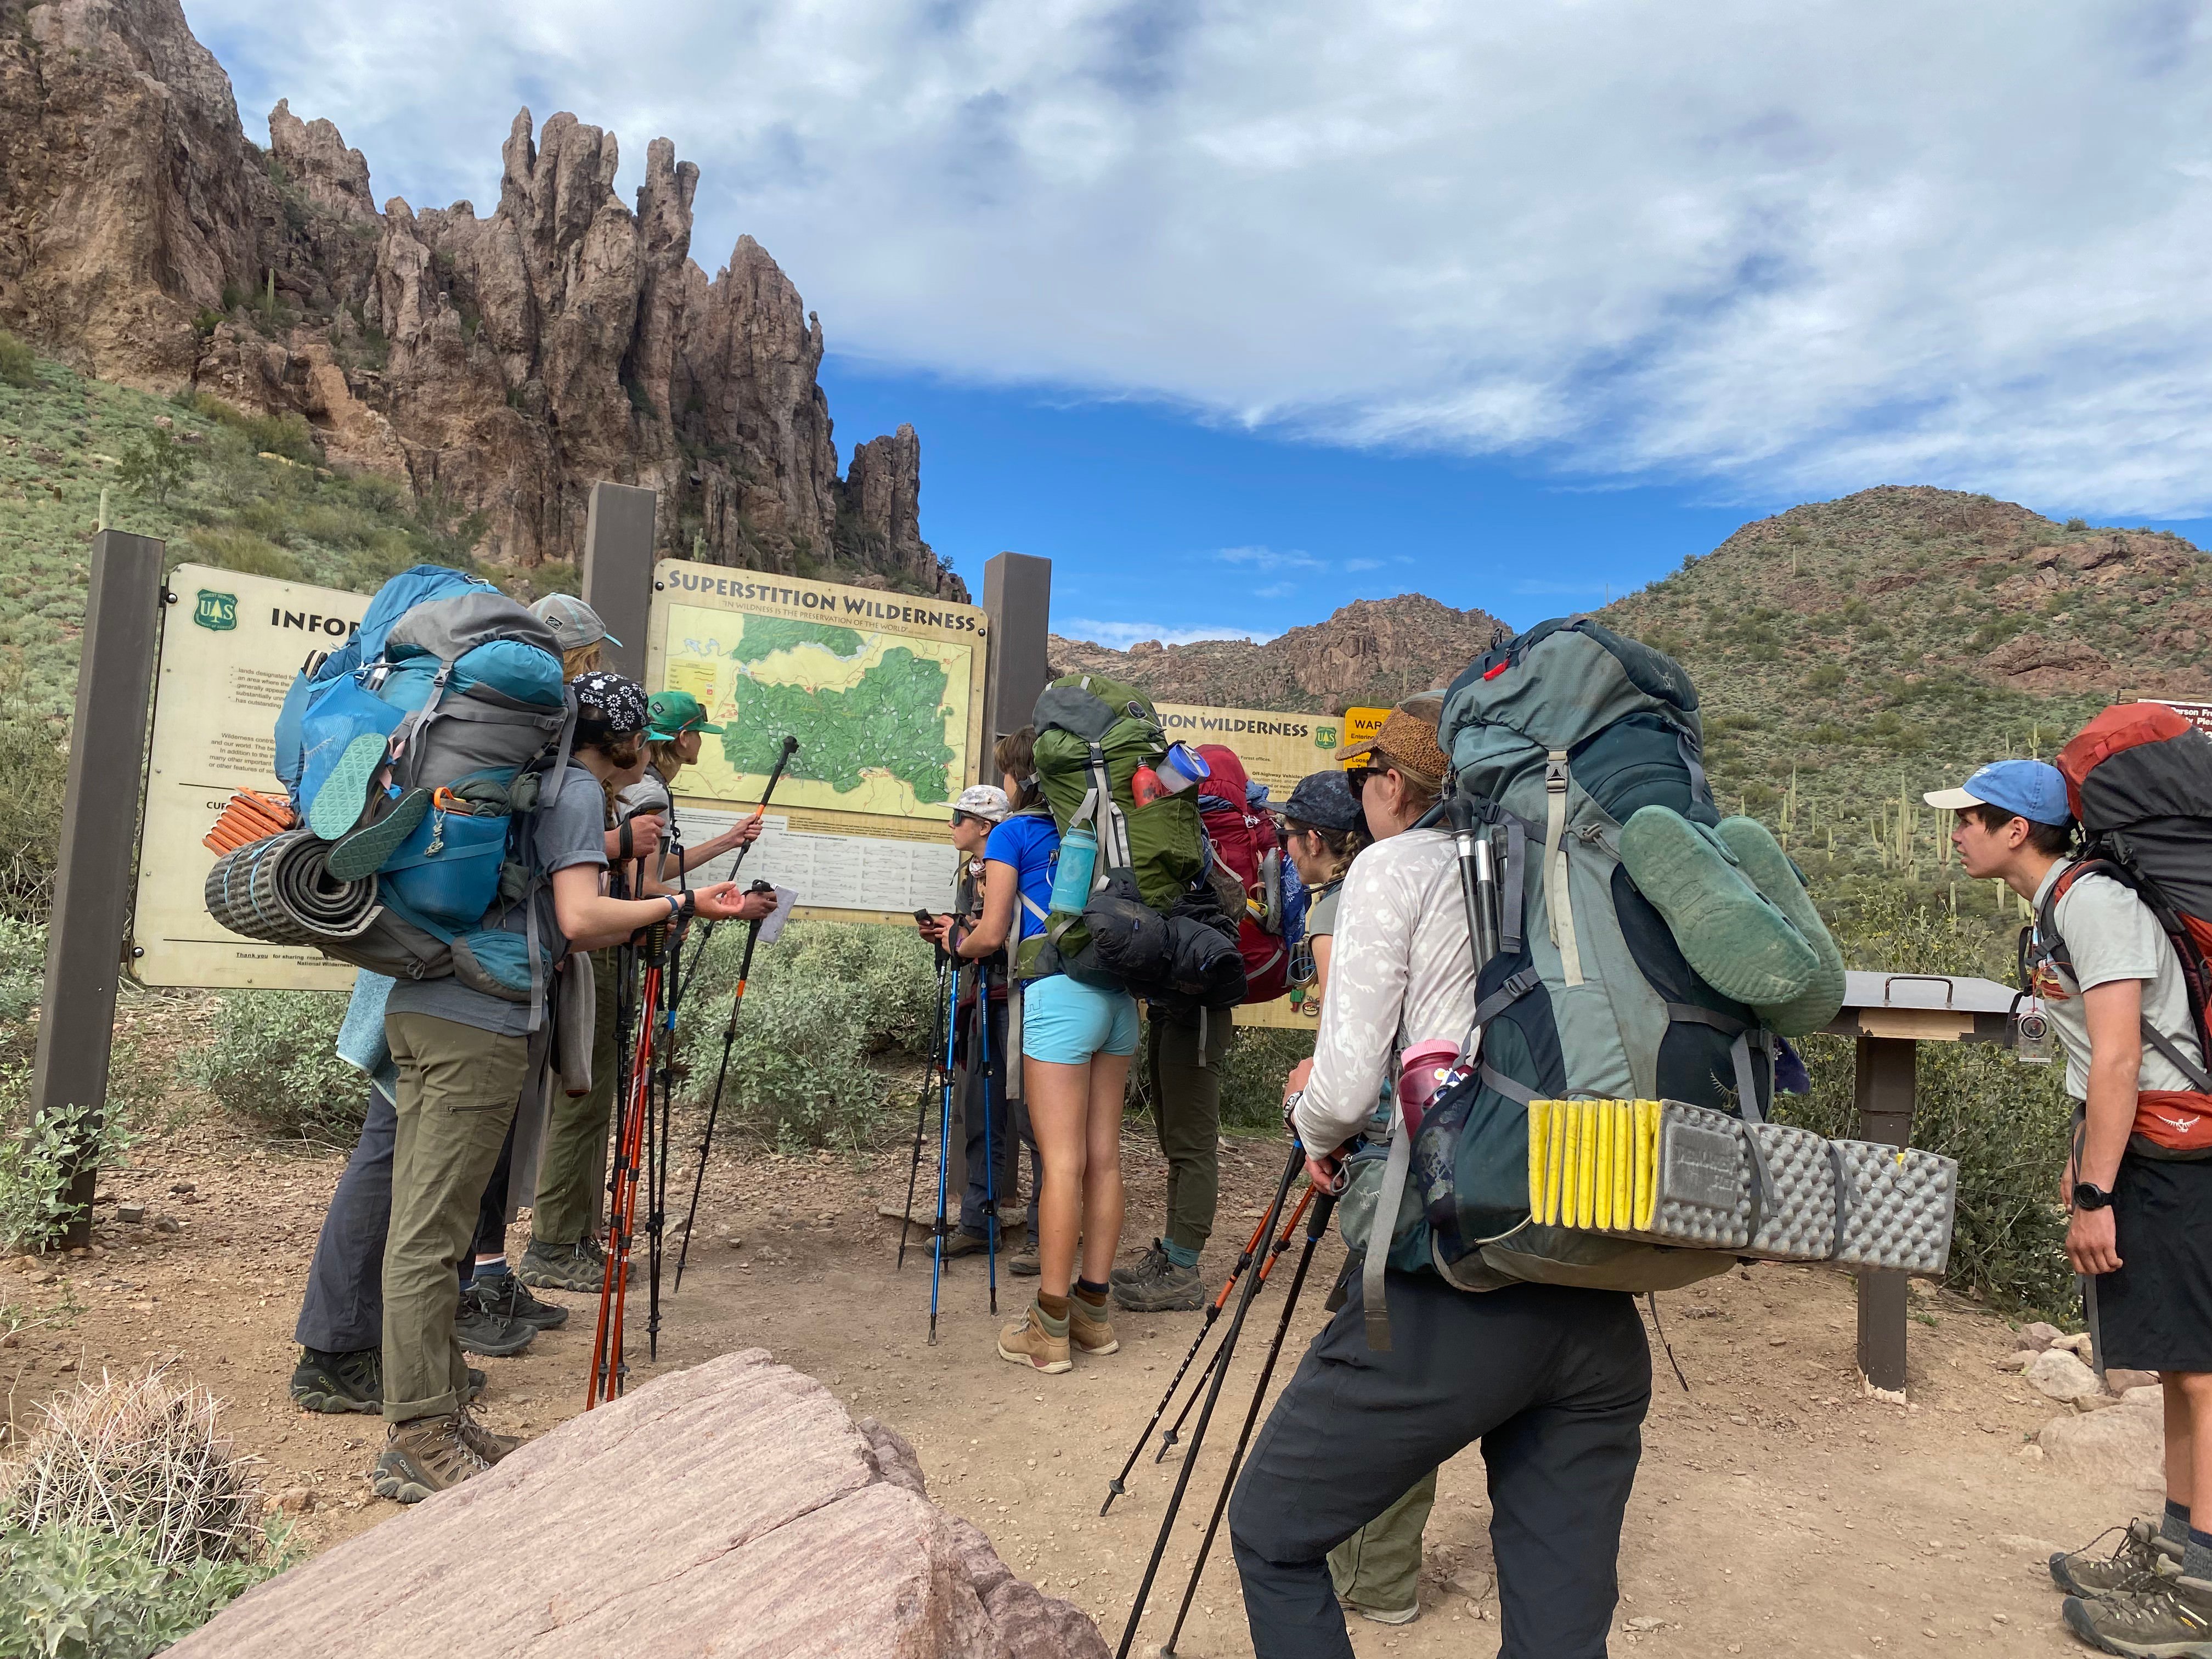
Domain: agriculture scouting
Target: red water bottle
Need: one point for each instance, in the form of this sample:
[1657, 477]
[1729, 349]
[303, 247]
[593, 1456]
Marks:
[1145, 787]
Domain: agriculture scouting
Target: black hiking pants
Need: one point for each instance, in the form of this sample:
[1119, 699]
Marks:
[343, 1310]
[1554, 1382]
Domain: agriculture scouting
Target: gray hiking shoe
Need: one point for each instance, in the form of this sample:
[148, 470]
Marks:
[1145, 1266]
[1156, 1284]
[2173, 1621]
[1023, 1263]
[336, 1382]
[2132, 1564]
[427, 1455]
[482, 1329]
[580, 1267]
[502, 1296]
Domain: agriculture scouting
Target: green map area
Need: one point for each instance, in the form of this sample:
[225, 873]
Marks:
[892, 719]
[766, 636]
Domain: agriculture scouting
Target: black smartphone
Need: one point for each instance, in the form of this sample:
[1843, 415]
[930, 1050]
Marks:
[924, 917]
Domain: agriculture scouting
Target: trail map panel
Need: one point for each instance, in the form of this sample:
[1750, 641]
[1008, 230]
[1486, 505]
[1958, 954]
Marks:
[231, 645]
[885, 693]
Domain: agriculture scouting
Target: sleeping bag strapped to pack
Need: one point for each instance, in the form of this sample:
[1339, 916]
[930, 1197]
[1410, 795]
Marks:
[1247, 870]
[416, 753]
[1563, 740]
[1150, 925]
[2139, 779]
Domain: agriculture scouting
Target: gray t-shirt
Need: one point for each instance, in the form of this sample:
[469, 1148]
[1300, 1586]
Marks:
[571, 829]
[1321, 913]
[2110, 935]
[649, 794]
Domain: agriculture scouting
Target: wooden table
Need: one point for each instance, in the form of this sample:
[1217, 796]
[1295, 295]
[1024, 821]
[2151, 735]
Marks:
[1891, 1014]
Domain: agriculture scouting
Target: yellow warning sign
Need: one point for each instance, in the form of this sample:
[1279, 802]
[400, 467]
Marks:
[1359, 724]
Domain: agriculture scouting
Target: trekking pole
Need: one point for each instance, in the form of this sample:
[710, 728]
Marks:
[1274, 1253]
[714, 1106]
[608, 1367]
[1213, 1393]
[707, 933]
[943, 1143]
[1115, 1487]
[660, 1146]
[1317, 1225]
[1478, 878]
[921, 1110]
[990, 1169]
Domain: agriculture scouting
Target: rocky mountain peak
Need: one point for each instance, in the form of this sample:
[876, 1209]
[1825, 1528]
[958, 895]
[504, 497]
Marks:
[503, 364]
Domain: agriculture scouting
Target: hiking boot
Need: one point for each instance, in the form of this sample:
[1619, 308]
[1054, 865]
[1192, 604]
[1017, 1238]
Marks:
[1027, 1342]
[1023, 1263]
[578, 1268]
[336, 1382]
[483, 1443]
[482, 1330]
[427, 1455]
[504, 1297]
[2173, 1621]
[1156, 1284]
[2133, 1563]
[959, 1240]
[1146, 1267]
[477, 1381]
[1088, 1329]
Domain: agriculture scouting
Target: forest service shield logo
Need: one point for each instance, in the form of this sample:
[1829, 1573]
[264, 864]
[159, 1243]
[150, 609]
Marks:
[1324, 737]
[216, 611]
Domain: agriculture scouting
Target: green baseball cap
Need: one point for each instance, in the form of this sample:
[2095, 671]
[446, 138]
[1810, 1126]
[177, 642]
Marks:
[672, 714]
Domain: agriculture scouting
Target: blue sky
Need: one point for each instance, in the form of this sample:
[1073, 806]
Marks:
[1532, 293]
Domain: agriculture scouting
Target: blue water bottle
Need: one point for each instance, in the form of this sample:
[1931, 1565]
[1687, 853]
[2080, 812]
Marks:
[1071, 880]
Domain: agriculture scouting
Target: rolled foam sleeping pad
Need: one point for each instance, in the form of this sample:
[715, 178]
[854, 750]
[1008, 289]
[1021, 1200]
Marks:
[1738, 941]
[1771, 873]
[280, 890]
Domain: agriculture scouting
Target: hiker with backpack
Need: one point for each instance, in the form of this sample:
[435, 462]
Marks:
[977, 816]
[676, 730]
[466, 1058]
[2100, 960]
[1185, 1043]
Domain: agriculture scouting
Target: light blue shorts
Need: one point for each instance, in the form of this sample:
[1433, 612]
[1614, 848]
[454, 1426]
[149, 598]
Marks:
[1065, 1022]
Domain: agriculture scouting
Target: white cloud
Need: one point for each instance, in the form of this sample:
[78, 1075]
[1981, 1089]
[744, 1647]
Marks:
[1360, 564]
[1121, 636]
[1779, 248]
[1268, 558]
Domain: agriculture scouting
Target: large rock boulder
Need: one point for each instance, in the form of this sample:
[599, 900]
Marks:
[2060, 1374]
[731, 1509]
[2122, 1449]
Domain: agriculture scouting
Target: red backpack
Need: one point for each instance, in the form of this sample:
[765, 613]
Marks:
[1242, 842]
[2139, 780]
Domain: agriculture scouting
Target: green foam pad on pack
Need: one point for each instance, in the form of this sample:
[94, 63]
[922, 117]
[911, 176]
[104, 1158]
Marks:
[1740, 944]
[1770, 872]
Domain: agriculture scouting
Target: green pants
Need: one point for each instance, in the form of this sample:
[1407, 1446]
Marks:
[458, 1087]
[572, 1171]
[1379, 1567]
[1185, 1079]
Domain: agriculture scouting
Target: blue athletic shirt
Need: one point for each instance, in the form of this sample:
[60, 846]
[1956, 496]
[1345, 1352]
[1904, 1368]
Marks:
[1030, 842]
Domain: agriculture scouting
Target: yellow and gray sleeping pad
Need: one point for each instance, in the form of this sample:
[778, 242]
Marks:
[1668, 1173]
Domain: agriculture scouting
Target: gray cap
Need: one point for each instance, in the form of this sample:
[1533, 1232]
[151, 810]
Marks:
[574, 624]
[1325, 801]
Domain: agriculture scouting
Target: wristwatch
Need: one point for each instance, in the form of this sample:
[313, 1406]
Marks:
[2087, 1195]
[1290, 1110]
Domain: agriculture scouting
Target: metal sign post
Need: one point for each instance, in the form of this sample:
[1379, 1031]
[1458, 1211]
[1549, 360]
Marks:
[1018, 599]
[85, 940]
[618, 569]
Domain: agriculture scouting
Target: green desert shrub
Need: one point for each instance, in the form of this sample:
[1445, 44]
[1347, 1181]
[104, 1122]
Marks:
[825, 1004]
[19, 365]
[274, 1059]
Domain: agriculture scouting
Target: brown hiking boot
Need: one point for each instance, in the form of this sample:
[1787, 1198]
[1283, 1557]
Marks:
[1088, 1329]
[2133, 1564]
[425, 1455]
[1028, 1341]
[483, 1443]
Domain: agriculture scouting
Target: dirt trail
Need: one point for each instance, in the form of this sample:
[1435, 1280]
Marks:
[1778, 1509]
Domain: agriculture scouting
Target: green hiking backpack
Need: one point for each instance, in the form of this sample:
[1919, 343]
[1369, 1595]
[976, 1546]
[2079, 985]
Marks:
[1560, 740]
[1147, 923]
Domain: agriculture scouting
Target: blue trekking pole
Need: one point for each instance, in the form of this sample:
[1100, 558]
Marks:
[990, 1165]
[943, 1138]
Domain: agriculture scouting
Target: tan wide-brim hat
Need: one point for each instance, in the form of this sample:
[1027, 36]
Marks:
[1408, 743]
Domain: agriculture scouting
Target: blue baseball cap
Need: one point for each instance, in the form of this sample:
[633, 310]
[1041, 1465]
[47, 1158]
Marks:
[2032, 789]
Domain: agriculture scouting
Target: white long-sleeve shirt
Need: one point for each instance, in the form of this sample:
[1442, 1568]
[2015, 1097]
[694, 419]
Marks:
[1400, 972]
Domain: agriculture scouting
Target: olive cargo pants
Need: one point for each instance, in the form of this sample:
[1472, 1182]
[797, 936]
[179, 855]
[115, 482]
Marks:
[458, 1088]
[572, 1174]
[1185, 1076]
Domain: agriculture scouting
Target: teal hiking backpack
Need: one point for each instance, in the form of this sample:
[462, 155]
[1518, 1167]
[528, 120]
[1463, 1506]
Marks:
[1146, 921]
[414, 758]
[1622, 897]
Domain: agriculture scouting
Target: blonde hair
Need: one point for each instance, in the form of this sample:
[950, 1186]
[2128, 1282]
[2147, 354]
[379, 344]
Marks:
[580, 659]
[660, 754]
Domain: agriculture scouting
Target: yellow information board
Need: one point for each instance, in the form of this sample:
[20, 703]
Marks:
[885, 693]
[1360, 725]
[231, 645]
[1277, 749]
